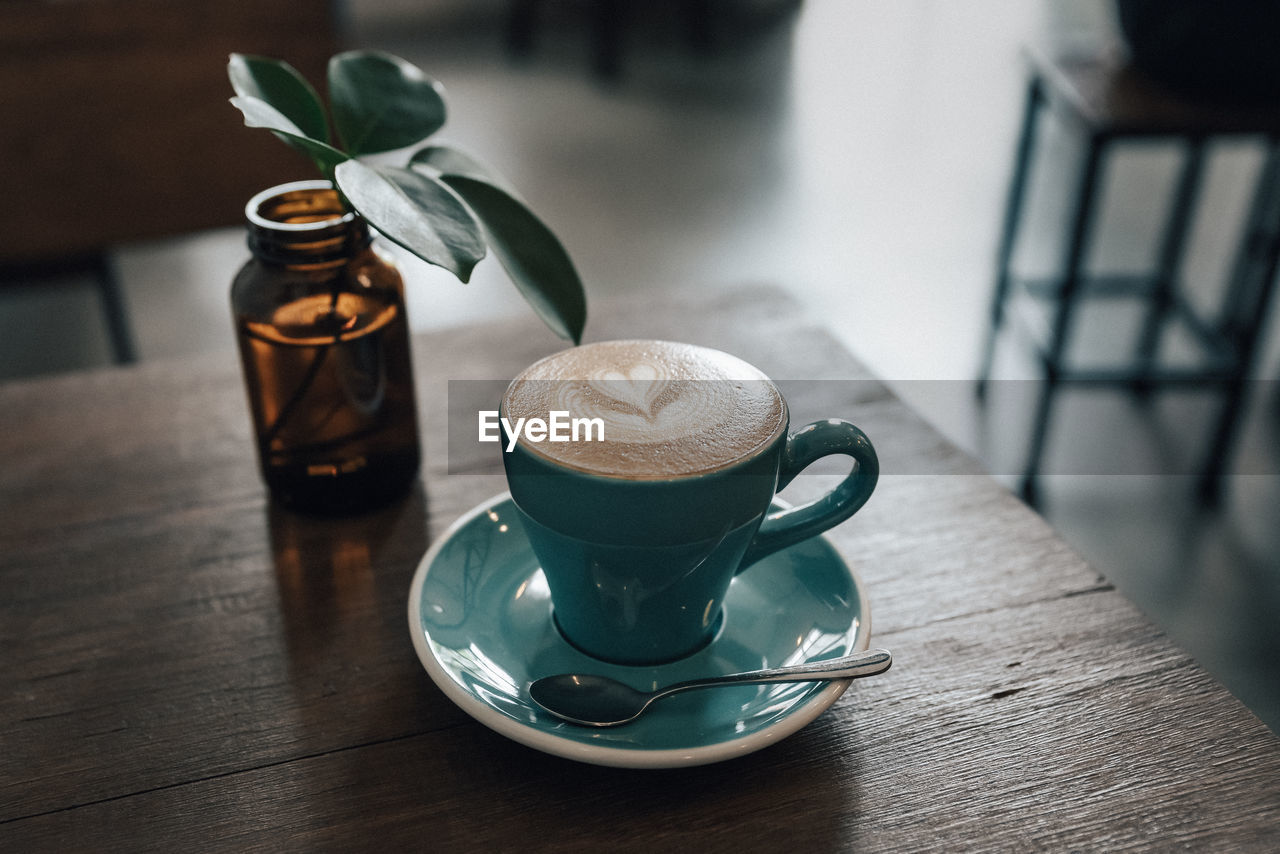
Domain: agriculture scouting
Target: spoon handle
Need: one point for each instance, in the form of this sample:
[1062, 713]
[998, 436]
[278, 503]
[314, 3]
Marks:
[867, 663]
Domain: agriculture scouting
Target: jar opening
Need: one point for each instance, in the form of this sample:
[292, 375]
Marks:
[304, 223]
[302, 206]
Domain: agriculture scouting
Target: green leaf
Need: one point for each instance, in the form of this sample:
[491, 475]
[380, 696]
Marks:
[417, 212]
[381, 102]
[531, 254]
[281, 86]
[450, 160]
[259, 114]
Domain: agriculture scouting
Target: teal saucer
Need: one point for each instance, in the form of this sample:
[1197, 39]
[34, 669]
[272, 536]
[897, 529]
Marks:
[480, 616]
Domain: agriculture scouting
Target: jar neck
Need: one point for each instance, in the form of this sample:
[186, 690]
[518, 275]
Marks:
[304, 225]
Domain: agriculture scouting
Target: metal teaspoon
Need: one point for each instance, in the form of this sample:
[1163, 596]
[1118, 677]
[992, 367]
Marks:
[599, 701]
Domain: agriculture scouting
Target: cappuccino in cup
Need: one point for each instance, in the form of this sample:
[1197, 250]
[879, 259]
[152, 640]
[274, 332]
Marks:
[640, 526]
[663, 409]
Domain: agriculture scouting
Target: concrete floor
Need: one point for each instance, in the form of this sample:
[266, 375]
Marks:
[857, 154]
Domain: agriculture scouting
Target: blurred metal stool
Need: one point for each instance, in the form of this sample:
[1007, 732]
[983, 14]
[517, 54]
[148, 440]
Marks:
[1110, 103]
[609, 20]
[707, 24]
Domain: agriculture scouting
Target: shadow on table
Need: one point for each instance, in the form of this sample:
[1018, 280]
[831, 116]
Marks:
[341, 584]
[328, 565]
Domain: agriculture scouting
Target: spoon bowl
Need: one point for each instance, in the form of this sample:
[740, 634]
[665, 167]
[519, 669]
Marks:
[599, 701]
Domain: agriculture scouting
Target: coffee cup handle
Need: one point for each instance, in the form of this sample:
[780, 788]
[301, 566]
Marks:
[782, 528]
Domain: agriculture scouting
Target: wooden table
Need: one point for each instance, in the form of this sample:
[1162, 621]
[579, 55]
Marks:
[185, 667]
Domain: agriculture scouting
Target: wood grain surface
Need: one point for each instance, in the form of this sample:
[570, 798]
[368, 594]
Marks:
[187, 667]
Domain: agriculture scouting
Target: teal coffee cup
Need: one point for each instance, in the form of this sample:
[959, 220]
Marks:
[644, 473]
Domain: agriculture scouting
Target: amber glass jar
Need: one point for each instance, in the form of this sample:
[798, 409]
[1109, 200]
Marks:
[324, 343]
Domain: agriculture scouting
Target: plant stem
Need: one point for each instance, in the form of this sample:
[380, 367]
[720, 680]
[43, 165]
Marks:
[303, 387]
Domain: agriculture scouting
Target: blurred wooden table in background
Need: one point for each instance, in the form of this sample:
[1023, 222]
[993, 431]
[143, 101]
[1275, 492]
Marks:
[117, 127]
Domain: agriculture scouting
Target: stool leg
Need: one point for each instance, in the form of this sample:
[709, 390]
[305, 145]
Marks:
[1235, 311]
[113, 307]
[1077, 246]
[1251, 290]
[1008, 233]
[1167, 262]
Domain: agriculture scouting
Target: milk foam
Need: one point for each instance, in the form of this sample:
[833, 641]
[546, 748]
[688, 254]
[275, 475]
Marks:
[668, 409]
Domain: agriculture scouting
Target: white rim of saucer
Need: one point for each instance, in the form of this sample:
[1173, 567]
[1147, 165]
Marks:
[549, 742]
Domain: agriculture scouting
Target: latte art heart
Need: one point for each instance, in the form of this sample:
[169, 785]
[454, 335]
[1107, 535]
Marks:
[639, 385]
[668, 409]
